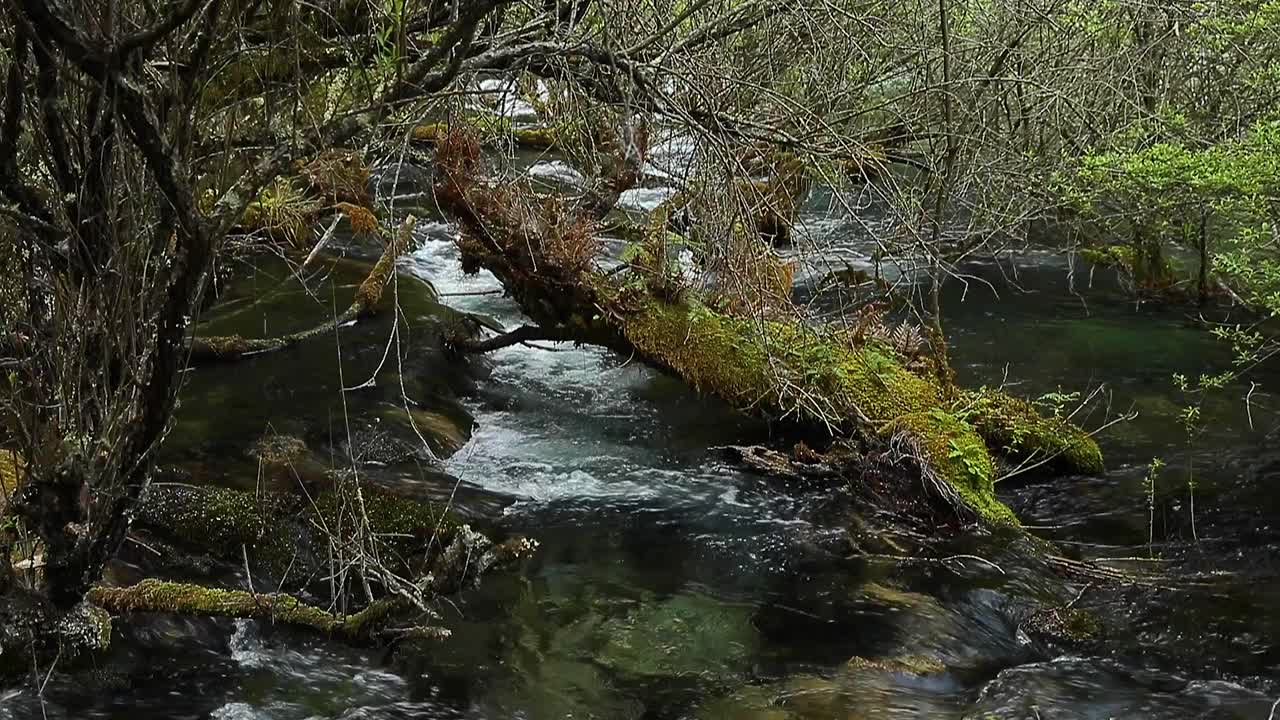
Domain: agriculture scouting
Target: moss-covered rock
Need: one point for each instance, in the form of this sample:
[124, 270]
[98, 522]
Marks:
[1063, 625]
[896, 598]
[445, 429]
[288, 461]
[27, 627]
[380, 445]
[397, 521]
[217, 521]
[277, 529]
[906, 664]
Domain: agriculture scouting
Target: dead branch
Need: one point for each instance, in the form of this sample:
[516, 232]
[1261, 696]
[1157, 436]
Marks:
[522, 334]
[363, 305]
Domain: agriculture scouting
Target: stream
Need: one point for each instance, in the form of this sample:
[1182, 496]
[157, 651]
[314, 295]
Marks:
[669, 583]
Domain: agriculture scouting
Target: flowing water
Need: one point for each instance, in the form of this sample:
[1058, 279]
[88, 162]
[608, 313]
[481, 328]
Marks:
[670, 584]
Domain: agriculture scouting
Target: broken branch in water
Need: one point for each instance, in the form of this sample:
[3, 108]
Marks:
[522, 334]
[364, 304]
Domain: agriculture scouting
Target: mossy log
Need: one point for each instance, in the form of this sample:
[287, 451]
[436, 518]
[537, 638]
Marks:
[364, 304]
[1015, 428]
[776, 365]
[162, 596]
[281, 531]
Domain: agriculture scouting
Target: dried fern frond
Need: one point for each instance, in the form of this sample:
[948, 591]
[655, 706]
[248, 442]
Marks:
[362, 219]
[339, 176]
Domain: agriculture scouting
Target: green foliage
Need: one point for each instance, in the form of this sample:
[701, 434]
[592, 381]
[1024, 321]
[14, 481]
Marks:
[1159, 194]
[1056, 402]
[283, 211]
[1117, 256]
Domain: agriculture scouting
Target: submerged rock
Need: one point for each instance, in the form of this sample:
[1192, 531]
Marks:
[445, 427]
[865, 688]
[378, 445]
[687, 635]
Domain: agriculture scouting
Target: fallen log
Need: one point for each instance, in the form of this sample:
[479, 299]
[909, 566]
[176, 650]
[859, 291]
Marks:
[761, 361]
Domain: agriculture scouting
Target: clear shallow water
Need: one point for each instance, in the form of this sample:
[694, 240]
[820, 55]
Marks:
[671, 585]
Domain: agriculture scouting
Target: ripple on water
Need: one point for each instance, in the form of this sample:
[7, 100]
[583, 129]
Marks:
[1068, 688]
[295, 681]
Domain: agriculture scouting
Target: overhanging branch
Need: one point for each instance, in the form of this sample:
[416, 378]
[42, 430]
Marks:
[369, 294]
[522, 334]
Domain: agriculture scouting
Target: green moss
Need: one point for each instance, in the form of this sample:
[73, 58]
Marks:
[780, 367]
[1015, 427]
[896, 598]
[907, 664]
[955, 458]
[1065, 624]
[777, 366]
[99, 621]
[275, 527]
[536, 137]
[152, 595]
